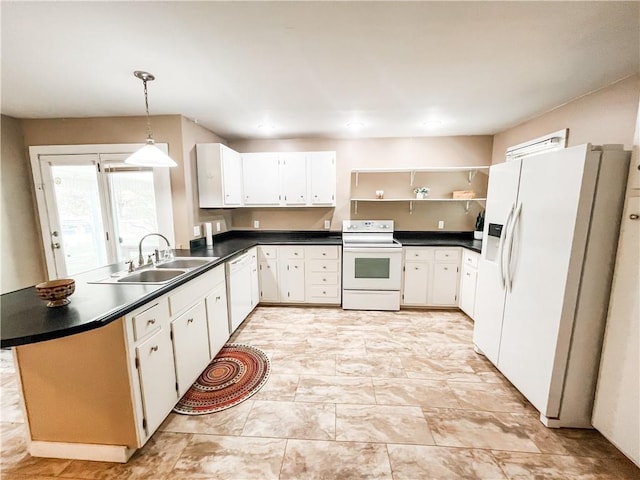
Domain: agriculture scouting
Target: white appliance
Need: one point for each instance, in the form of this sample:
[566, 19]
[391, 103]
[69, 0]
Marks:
[544, 276]
[239, 290]
[371, 265]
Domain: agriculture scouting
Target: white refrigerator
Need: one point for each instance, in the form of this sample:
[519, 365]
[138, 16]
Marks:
[544, 276]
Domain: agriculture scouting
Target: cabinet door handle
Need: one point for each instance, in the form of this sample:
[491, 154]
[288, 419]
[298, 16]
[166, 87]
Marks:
[154, 349]
[468, 274]
[324, 254]
[151, 321]
[324, 266]
[324, 279]
[634, 216]
[217, 298]
[190, 320]
[416, 268]
[446, 268]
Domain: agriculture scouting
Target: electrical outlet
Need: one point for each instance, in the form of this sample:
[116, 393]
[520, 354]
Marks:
[218, 226]
[197, 231]
[256, 224]
[440, 224]
[327, 224]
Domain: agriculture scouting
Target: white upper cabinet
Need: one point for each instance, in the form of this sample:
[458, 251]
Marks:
[232, 177]
[227, 178]
[261, 178]
[322, 176]
[294, 178]
[219, 176]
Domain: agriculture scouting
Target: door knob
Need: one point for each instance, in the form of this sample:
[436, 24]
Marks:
[634, 216]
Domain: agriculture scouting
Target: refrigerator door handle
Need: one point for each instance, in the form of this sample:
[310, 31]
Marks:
[503, 235]
[516, 219]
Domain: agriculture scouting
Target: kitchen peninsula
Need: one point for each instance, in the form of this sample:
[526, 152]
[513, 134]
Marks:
[90, 361]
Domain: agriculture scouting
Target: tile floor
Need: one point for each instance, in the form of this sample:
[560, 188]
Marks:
[352, 395]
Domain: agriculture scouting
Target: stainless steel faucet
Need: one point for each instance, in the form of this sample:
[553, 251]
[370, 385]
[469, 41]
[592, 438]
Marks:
[140, 257]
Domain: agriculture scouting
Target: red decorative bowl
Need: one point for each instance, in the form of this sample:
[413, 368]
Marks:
[55, 292]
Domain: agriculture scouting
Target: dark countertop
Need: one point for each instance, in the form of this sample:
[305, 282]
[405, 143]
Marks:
[438, 239]
[26, 319]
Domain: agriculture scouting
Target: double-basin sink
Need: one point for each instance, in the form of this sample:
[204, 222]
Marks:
[160, 272]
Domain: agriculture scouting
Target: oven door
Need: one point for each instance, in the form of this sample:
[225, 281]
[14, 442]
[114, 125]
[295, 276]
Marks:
[371, 268]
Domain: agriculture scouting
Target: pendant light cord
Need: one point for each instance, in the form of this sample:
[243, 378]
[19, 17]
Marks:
[146, 106]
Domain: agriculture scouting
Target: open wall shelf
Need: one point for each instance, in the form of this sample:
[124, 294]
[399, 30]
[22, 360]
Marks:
[465, 201]
[471, 171]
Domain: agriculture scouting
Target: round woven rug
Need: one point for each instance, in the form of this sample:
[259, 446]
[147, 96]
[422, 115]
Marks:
[236, 373]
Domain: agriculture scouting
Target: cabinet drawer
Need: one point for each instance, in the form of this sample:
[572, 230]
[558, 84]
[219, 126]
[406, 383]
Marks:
[323, 278]
[447, 254]
[147, 321]
[266, 252]
[418, 253]
[322, 252]
[323, 291]
[292, 252]
[191, 292]
[324, 266]
[470, 258]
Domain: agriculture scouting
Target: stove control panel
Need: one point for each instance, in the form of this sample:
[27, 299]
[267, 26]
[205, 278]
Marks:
[361, 226]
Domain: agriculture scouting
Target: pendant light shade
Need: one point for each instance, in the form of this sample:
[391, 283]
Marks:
[149, 155]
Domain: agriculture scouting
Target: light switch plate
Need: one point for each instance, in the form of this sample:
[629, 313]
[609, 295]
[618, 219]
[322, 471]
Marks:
[327, 224]
[256, 224]
[440, 224]
[218, 226]
[197, 231]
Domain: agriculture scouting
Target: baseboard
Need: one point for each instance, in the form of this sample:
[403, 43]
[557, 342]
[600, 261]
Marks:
[558, 423]
[81, 451]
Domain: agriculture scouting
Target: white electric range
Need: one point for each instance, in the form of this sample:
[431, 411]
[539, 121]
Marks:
[371, 265]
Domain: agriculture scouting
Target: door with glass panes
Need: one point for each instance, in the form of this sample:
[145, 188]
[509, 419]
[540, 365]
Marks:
[94, 209]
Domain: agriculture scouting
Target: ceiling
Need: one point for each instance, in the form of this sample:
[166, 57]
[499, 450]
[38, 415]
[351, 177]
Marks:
[310, 68]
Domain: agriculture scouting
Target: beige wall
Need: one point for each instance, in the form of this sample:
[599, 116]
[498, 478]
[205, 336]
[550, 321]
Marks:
[605, 116]
[21, 247]
[103, 130]
[378, 153]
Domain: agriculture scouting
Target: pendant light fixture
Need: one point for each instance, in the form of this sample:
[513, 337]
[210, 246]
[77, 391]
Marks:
[149, 155]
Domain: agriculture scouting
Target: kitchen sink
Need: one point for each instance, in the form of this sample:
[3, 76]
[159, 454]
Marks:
[151, 276]
[186, 262]
[159, 273]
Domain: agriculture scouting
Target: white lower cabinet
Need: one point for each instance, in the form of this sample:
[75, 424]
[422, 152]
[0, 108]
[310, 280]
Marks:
[155, 362]
[416, 283]
[170, 341]
[268, 276]
[190, 345]
[292, 280]
[431, 276]
[217, 318]
[468, 282]
[300, 274]
[255, 281]
[444, 287]
[323, 276]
